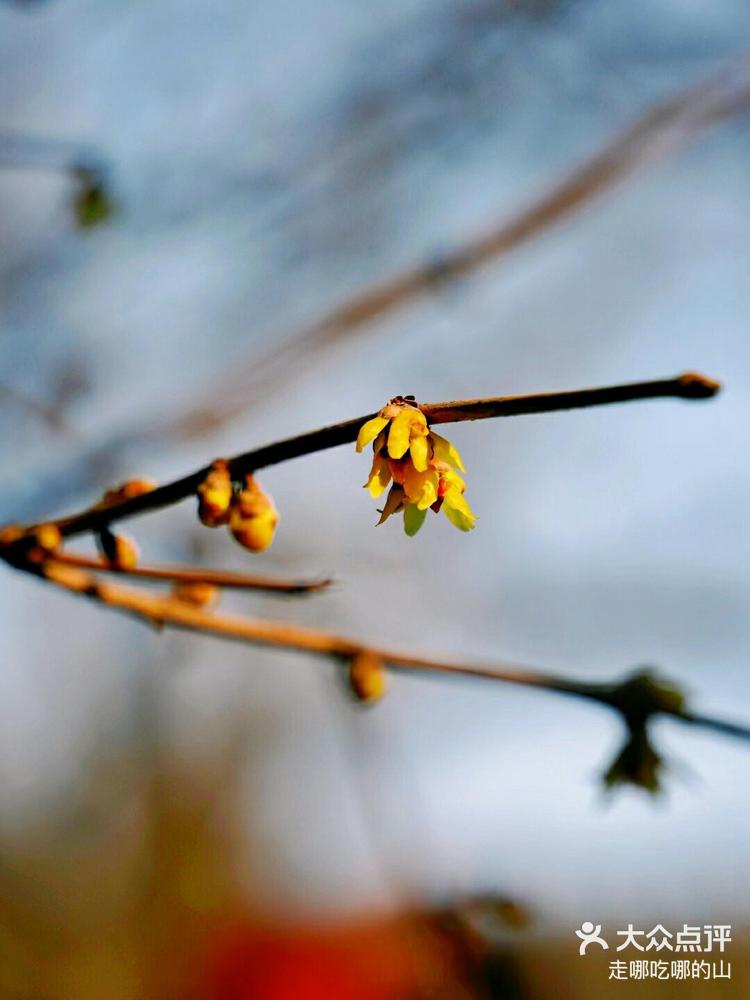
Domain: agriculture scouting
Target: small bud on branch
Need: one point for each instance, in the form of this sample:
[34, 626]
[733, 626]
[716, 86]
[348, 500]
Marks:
[366, 676]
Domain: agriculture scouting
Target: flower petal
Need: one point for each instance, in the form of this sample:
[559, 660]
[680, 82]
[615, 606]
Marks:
[418, 421]
[399, 468]
[380, 441]
[393, 503]
[413, 481]
[420, 452]
[380, 476]
[429, 493]
[413, 519]
[452, 480]
[457, 510]
[421, 488]
[369, 431]
[446, 452]
[400, 432]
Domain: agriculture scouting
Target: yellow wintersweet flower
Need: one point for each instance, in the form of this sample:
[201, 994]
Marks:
[420, 463]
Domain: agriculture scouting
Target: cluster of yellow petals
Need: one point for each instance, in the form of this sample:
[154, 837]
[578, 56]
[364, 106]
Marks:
[420, 464]
[246, 508]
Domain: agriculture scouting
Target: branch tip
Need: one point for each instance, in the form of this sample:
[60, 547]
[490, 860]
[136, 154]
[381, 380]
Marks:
[693, 385]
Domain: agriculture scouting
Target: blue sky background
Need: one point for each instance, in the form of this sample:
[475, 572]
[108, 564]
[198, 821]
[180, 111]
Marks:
[268, 161]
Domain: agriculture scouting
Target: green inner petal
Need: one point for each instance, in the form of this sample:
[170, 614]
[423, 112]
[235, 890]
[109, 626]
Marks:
[413, 519]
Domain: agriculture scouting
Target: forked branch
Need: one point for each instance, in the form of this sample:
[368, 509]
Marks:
[637, 699]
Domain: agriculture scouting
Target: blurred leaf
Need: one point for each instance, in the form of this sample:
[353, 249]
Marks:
[636, 764]
[92, 200]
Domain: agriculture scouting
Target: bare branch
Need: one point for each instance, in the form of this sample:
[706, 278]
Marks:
[189, 575]
[737, 729]
[166, 610]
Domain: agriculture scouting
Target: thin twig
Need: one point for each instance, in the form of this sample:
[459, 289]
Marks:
[663, 130]
[166, 610]
[51, 416]
[688, 386]
[718, 725]
[189, 575]
[21, 151]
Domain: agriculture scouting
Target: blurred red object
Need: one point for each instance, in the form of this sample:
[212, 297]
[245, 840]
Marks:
[387, 961]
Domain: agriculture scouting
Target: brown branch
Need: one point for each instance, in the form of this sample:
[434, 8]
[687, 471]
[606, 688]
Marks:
[662, 131]
[166, 610]
[188, 575]
[717, 725]
[688, 386]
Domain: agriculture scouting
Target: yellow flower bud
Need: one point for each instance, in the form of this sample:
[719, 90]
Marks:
[215, 495]
[200, 595]
[48, 537]
[367, 677]
[119, 551]
[137, 487]
[11, 533]
[253, 517]
[254, 533]
[126, 491]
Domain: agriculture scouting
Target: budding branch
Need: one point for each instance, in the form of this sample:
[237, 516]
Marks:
[689, 386]
[166, 610]
[79, 574]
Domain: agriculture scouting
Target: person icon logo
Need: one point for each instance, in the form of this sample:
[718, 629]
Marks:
[590, 935]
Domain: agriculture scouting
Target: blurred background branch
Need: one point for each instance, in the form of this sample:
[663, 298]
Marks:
[662, 131]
